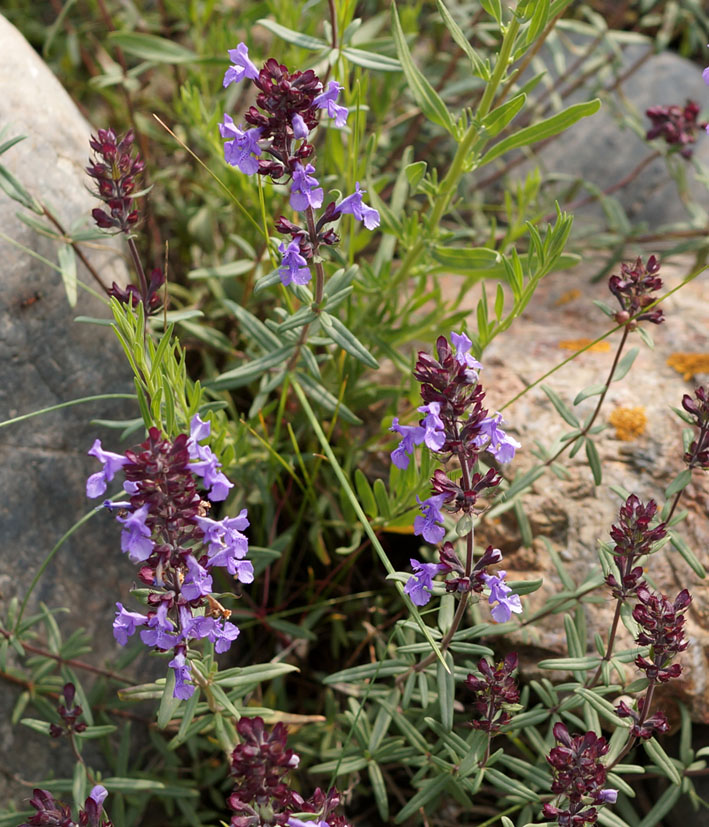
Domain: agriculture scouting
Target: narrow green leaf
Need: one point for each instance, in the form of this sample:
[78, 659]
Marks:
[253, 326]
[499, 118]
[240, 676]
[480, 67]
[594, 461]
[139, 785]
[382, 497]
[664, 805]
[565, 412]
[601, 705]
[67, 267]
[446, 691]
[365, 494]
[153, 48]
[187, 717]
[17, 192]
[570, 664]
[376, 779]
[428, 99]
[680, 482]
[493, 8]
[238, 377]
[687, 554]
[11, 142]
[79, 784]
[662, 760]
[290, 36]
[541, 130]
[97, 731]
[414, 173]
[591, 390]
[625, 364]
[36, 725]
[429, 791]
[222, 271]
[326, 400]
[539, 20]
[343, 337]
[371, 60]
[469, 261]
[168, 703]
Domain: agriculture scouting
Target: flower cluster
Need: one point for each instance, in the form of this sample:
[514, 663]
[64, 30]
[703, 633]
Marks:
[578, 778]
[633, 288]
[676, 125]
[53, 812]
[642, 727]
[698, 409]
[287, 110]
[455, 424]
[68, 712]
[662, 629]
[115, 170]
[633, 538]
[261, 795]
[495, 690]
[167, 532]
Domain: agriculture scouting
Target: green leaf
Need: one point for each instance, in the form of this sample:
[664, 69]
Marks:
[222, 271]
[187, 717]
[238, 377]
[601, 705]
[470, 261]
[594, 461]
[664, 805]
[382, 497]
[168, 703]
[522, 587]
[97, 731]
[591, 390]
[544, 129]
[493, 8]
[376, 779]
[326, 400]
[11, 142]
[17, 192]
[687, 554]
[425, 95]
[253, 326]
[67, 267]
[333, 327]
[153, 48]
[414, 173]
[499, 118]
[560, 406]
[290, 36]
[679, 483]
[625, 364]
[145, 785]
[539, 20]
[365, 494]
[480, 67]
[241, 676]
[570, 664]
[446, 691]
[662, 760]
[371, 60]
[36, 725]
[430, 790]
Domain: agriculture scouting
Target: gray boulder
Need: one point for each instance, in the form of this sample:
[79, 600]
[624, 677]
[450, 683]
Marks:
[46, 358]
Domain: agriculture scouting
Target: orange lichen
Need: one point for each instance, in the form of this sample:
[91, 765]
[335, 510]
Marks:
[629, 423]
[689, 364]
[577, 344]
[567, 297]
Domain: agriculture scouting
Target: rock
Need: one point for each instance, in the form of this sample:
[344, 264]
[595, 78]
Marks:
[605, 148]
[573, 515]
[46, 358]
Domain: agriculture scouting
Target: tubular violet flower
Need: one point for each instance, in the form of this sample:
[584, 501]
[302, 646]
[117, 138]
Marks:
[420, 584]
[501, 593]
[328, 101]
[242, 66]
[353, 205]
[294, 266]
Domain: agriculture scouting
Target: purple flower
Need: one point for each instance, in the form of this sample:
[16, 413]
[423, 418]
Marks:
[98, 794]
[161, 630]
[607, 796]
[198, 581]
[243, 67]
[462, 357]
[305, 190]
[227, 545]
[435, 436]
[126, 623]
[426, 525]
[207, 465]
[328, 100]
[353, 205]
[300, 128]
[420, 584]
[96, 483]
[500, 593]
[239, 151]
[208, 627]
[500, 445]
[412, 435]
[294, 267]
[183, 672]
[705, 75]
[135, 537]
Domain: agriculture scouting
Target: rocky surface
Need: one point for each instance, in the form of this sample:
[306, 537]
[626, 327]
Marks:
[46, 358]
[574, 515]
[607, 147]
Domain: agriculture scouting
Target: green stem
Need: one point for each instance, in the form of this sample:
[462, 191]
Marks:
[352, 497]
